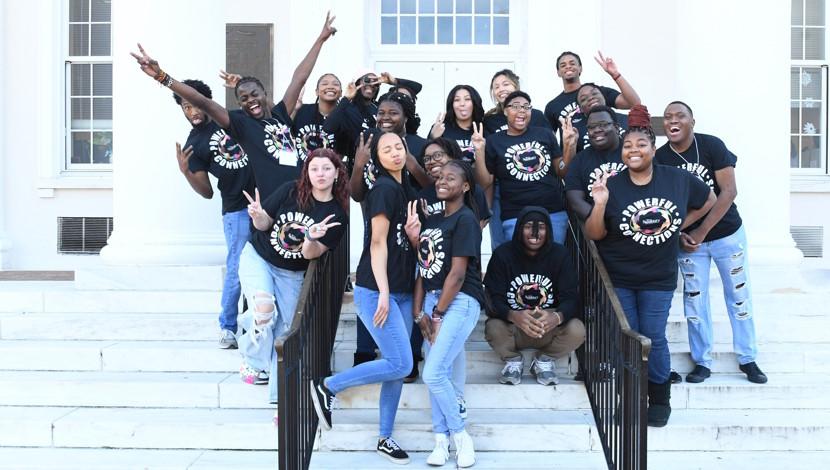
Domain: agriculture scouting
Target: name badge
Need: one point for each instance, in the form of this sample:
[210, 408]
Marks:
[287, 157]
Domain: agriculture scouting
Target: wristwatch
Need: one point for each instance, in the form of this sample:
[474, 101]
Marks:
[562, 164]
[438, 315]
[417, 318]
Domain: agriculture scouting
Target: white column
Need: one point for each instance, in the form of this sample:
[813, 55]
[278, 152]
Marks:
[733, 66]
[158, 219]
[4, 242]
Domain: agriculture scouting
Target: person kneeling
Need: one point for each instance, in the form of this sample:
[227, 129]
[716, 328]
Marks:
[532, 288]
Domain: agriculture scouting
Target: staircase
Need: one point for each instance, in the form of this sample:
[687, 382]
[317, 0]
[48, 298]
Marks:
[96, 375]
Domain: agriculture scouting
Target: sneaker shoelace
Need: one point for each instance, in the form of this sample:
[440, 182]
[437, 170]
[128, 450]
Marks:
[512, 367]
[391, 444]
[544, 366]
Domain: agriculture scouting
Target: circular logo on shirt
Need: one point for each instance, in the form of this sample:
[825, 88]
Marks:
[311, 137]
[431, 252]
[288, 234]
[226, 152]
[278, 141]
[596, 173]
[702, 173]
[529, 291]
[370, 175]
[650, 221]
[528, 161]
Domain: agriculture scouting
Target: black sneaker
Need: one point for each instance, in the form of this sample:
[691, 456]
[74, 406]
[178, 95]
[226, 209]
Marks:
[753, 373]
[698, 374]
[323, 401]
[674, 377]
[392, 451]
[413, 374]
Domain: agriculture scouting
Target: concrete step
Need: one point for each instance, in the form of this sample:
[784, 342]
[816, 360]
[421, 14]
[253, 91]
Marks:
[110, 326]
[369, 460]
[17, 458]
[744, 430]
[733, 391]
[492, 430]
[756, 460]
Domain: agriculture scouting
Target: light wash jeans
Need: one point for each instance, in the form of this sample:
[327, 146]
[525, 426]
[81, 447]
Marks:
[459, 321]
[237, 229]
[730, 257]
[395, 362]
[496, 233]
[257, 275]
[558, 220]
[459, 364]
[647, 312]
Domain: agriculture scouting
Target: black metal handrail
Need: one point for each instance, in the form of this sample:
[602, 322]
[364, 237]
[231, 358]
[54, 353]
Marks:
[614, 362]
[304, 353]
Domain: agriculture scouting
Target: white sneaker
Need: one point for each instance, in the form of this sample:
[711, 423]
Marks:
[441, 452]
[465, 453]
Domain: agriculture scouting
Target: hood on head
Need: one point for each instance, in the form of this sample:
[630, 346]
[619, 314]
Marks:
[530, 214]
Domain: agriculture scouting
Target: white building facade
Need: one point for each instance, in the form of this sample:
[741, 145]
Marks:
[85, 134]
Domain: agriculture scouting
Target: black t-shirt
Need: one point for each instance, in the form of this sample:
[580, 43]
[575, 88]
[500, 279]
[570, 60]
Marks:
[346, 122]
[282, 244]
[463, 138]
[703, 158]
[641, 247]
[389, 198]
[580, 123]
[441, 239]
[523, 167]
[495, 123]
[565, 105]
[308, 131]
[415, 145]
[270, 147]
[436, 206]
[589, 165]
[217, 153]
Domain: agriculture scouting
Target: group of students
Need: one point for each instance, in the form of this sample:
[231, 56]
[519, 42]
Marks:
[286, 171]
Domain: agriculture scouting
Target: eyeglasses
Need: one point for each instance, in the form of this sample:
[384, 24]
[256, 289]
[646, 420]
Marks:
[520, 107]
[599, 125]
[434, 156]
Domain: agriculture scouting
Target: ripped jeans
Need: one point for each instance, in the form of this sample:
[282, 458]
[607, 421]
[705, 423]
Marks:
[730, 257]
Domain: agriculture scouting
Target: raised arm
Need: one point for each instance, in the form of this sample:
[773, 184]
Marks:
[303, 71]
[569, 136]
[595, 223]
[628, 97]
[483, 176]
[361, 158]
[313, 247]
[151, 68]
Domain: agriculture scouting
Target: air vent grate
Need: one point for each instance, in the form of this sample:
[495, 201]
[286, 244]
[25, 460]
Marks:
[809, 239]
[83, 235]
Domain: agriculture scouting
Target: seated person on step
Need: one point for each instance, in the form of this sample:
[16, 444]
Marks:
[532, 288]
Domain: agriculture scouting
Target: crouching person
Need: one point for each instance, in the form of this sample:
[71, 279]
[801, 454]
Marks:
[532, 288]
[300, 221]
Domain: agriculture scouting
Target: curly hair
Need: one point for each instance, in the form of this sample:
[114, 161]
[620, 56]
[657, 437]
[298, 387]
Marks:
[450, 119]
[340, 190]
[197, 85]
[407, 105]
[639, 120]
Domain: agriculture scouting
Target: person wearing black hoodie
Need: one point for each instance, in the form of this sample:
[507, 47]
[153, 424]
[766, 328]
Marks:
[532, 288]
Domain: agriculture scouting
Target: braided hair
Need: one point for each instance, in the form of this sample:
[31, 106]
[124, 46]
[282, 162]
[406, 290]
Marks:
[248, 79]
[639, 120]
[469, 177]
[408, 107]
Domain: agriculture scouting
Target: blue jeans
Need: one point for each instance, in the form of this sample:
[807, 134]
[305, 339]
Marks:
[647, 312]
[496, 234]
[259, 276]
[237, 229]
[396, 354]
[459, 364]
[459, 321]
[558, 220]
[730, 257]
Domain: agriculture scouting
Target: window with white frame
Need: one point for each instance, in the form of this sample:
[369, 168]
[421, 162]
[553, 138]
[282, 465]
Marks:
[473, 22]
[808, 87]
[88, 66]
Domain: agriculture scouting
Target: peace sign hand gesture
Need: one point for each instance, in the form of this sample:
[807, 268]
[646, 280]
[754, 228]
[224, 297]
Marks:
[230, 79]
[183, 157]
[477, 138]
[148, 64]
[569, 134]
[318, 231]
[363, 151]
[328, 30]
[438, 127]
[413, 222]
[261, 219]
[599, 190]
[607, 64]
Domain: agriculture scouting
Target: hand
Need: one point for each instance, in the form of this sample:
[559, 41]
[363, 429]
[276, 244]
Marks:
[387, 78]
[525, 321]
[148, 65]
[698, 235]
[255, 210]
[363, 151]
[438, 126]
[599, 190]
[230, 79]
[687, 243]
[477, 139]
[183, 156]
[426, 327]
[413, 222]
[607, 64]
[382, 311]
[569, 134]
[436, 326]
[351, 91]
[318, 231]
[548, 318]
[328, 30]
